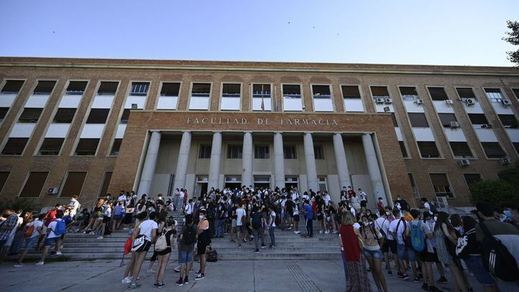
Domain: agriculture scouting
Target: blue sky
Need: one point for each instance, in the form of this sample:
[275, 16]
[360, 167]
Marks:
[457, 32]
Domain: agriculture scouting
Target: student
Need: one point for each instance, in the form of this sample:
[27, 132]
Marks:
[169, 233]
[296, 217]
[271, 223]
[369, 236]
[56, 229]
[187, 240]
[257, 222]
[31, 238]
[398, 229]
[203, 241]
[240, 226]
[309, 217]
[7, 227]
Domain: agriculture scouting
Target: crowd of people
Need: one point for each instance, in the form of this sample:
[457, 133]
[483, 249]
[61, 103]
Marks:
[392, 239]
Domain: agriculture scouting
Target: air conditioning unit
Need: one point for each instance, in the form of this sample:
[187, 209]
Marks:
[463, 162]
[387, 100]
[454, 124]
[135, 106]
[418, 101]
[379, 100]
[387, 109]
[53, 191]
[506, 102]
[470, 101]
[486, 126]
[442, 202]
[505, 161]
[449, 102]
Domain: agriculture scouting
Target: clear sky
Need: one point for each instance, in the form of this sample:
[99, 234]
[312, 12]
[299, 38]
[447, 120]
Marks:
[456, 32]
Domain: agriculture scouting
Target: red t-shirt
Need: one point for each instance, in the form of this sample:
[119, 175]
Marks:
[350, 243]
[51, 215]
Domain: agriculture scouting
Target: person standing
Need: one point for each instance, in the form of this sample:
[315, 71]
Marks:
[6, 228]
[187, 240]
[309, 219]
[31, 237]
[56, 229]
[369, 237]
[257, 222]
[203, 241]
[240, 226]
[271, 226]
[363, 198]
[169, 233]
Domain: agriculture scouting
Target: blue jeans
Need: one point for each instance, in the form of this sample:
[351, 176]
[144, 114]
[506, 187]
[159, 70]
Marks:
[310, 227]
[272, 237]
[219, 227]
[344, 263]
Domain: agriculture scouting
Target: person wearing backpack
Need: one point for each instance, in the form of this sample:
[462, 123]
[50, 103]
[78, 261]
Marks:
[257, 226]
[56, 229]
[271, 223]
[32, 232]
[186, 245]
[163, 247]
[369, 237]
[501, 241]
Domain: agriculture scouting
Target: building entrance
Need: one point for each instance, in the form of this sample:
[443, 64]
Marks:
[201, 184]
[232, 182]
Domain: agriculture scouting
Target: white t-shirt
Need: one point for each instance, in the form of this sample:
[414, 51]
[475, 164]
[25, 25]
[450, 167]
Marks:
[401, 227]
[189, 208]
[273, 218]
[52, 227]
[37, 225]
[240, 213]
[327, 199]
[121, 198]
[383, 224]
[74, 205]
[147, 227]
[356, 226]
[363, 196]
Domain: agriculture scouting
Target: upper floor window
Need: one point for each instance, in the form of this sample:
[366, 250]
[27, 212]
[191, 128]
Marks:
[289, 152]
[448, 120]
[140, 88]
[418, 120]
[292, 100]
[493, 150]
[234, 151]
[466, 93]
[170, 89]
[494, 94]
[379, 92]
[3, 113]
[64, 115]
[461, 149]
[200, 94]
[12, 86]
[508, 121]
[44, 87]
[107, 88]
[201, 89]
[408, 93]
[441, 184]
[231, 96]
[428, 149]
[30, 115]
[350, 92]
[437, 93]
[322, 98]
[261, 152]
[15, 146]
[76, 87]
[478, 119]
[261, 97]
[98, 116]
[318, 152]
[516, 92]
[204, 152]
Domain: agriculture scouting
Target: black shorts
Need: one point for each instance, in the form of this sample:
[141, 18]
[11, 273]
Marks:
[164, 252]
[296, 218]
[385, 246]
[427, 257]
[392, 246]
[201, 248]
[145, 247]
[106, 219]
[363, 203]
[319, 217]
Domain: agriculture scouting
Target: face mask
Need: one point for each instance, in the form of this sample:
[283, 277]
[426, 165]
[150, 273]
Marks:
[435, 218]
[201, 218]
[366, 223]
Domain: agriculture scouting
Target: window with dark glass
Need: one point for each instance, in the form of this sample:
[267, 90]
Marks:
[231, 90]
[318, 152]
[64, 115]
[234, 151]
[139, 88]
[125, 116]
[465, 92]
[437, 93]
[12, 86]
[447, 119]
[116, 146]
[478, 119]
[3, 178]
[441, 184]
[76, 87]
[34, 184]
[15, 146]
[98, 116]
[379, 91]
[107, 88]
[321, 91]
[30, 115]
[289, 152]
[461, 149]
[51, 146]
[403, 149]
[408, 91]
[3, 113]
[508, 121]
[44, 87]
[204, 152]
[106, 183]
[261, 152]
[349, 91]
[493, 150]
[516, 92]
[516, 146]
[170, 89]
[428, 149]
[201, 89]
[418, 120]
[87, 146]
[73, 184]
[472, 178]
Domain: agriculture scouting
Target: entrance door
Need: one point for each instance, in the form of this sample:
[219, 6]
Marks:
[291, 181]
[201, 184]
[232, 182]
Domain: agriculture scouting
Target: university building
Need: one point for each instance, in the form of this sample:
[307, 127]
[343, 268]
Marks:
[96, 126]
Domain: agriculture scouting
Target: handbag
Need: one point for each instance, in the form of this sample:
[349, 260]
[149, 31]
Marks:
[138, 242]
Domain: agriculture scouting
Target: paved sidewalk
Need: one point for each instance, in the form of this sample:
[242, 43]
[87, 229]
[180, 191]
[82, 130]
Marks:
[274, 275]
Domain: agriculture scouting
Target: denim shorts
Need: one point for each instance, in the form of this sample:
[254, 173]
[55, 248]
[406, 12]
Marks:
[406, 253]
[31, 242]
[475, 266]
[185, 256]
[50, 241]
[374, 254]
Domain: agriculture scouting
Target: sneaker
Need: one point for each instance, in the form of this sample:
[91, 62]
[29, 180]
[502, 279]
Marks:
[180, 283]
[416, 279]
[405, 277]
[442, 280]
[186, 280]
[389, 272]
[18, 265]
[425, 287]
[400, 275]
[127, 280]
[200, 276]
[263, 246]
[134, 285]
[99, 237]
[326, 232]
[158, 285]
[59, 253]
[40, 263]
[257, 251]
[177, 269]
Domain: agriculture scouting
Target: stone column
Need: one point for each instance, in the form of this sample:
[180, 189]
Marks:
[340, 160]
[279, 161]
[149, 164]
[183, 160]
[311, 171]
[214, 163]
[373, 168]
[246, 177]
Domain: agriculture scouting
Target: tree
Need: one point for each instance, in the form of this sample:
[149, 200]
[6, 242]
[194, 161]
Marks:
[503, 192]
[513, 38]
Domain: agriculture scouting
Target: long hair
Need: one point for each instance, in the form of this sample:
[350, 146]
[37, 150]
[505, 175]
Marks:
[443, 217]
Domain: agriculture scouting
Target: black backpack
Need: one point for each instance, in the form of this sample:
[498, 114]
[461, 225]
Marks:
[496, 258]
[189, 235]
[256, 220]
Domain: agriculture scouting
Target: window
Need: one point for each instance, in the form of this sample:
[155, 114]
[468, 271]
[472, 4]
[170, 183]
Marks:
[318, 152]
[15, 146]
[428, 149]
[408, 92]
[106, 183]
[73, 184]
[403, 149]
[12, 86]
[170, 89]
[3, 113]
[51, 146]
[125, 116]
[446, 119]
[393, 119]
[478, 119]
[234, 151]
[139, 88]
[516, 92]
[379, 91]
[34, 184]
[200, 94]
[231, 95]
[30, 115]
[508, 121]
[64, 115]
[98, 116]
[322, 98]
[261, 97]
[516, 146]
[116, 147]
[3, 178]
[461, 149]
[204, 152]
[76, 87]
[44, 87]
[289, 152]
[472, 178]
[323, 186]
[350, 92]
[441, 184]
[494, 94]
[493, 150]
[418, 120]
[292, 100]
[466, 93]
[438, 93]
[262, 152]
[87, 146]
[107, 88]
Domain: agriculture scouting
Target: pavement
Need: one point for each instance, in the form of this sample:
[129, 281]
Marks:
[263, 275]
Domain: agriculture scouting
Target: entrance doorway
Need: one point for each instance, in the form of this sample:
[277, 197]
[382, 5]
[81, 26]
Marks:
[201, 184]
[233, 182]
[262, 181]
[291, 181]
